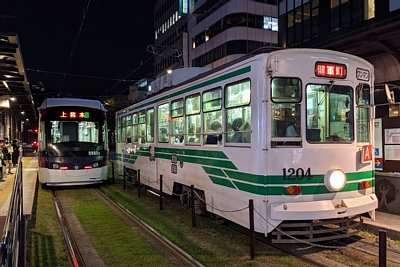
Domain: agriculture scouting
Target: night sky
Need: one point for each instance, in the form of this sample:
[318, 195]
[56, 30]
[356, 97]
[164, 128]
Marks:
[112, 43]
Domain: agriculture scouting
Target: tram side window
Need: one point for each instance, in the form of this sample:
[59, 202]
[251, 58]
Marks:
[193, 119]
[238, 112]
[150, 125]
[163, 123]
[212, 105]
[123, 131]
[135, 128]
[142, 127]
[363, 112]
[177, 122]
[128, 128]
[105, 134]
[119, 131]
[42, 136]
[286, 110]
[330, 113]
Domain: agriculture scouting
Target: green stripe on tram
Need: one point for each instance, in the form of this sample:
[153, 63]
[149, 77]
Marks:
[214, 171]
[200, 161]
[260, 183]
[193, 152]
[196, 86]
[221, 181]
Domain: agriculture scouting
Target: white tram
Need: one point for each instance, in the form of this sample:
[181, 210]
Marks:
[290, 129]
[73, 142]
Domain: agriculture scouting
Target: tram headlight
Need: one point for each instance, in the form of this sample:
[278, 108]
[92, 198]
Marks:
[55, 166]
[95, 165]
[335, 180]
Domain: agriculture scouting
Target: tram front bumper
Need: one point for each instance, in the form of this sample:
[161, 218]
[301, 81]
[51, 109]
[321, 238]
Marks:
[324, 209]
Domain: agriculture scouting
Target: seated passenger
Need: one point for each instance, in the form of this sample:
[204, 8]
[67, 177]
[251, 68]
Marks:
[237, 136]
[163, 135]
[291, 130]
[213, 139]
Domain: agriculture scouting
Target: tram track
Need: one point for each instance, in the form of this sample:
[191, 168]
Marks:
[73, 250]
[352, 247]
[73, 238]
[178, 256]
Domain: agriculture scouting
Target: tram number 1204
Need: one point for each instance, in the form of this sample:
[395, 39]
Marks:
[296, 174]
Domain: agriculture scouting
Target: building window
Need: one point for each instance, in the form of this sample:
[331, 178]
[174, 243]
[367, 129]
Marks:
[393, 5]
[270, 24]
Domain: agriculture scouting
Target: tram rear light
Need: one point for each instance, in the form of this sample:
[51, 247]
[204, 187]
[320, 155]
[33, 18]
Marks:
[89, 167]
[293, 190]
[64, 168]
[365, 184]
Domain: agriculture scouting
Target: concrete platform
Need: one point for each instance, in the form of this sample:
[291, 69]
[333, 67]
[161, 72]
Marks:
[29, 172]
[385, 221]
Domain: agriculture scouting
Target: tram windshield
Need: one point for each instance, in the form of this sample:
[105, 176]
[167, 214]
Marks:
[330, 113]
[74, 131]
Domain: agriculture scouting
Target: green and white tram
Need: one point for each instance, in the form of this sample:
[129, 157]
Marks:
[290, 129]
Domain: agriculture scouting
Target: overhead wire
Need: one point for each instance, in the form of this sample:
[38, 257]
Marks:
[129, 74]
[61, 90]
[80, 75]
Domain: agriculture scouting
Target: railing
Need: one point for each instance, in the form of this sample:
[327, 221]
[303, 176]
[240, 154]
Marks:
[12, 246]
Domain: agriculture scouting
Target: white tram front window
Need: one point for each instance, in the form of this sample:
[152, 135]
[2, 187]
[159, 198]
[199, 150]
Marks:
[193, 119]
[330, 113]
[74, 131]
[286, 109]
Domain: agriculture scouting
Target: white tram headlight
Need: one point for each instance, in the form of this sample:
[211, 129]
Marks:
[335, 180]
[95, 165]
[55, 166]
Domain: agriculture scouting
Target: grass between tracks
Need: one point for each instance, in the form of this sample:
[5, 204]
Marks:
[114, 241]
[45, 242]
[209, 243]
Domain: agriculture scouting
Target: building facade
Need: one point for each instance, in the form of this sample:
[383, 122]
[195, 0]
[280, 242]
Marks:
[221, 31]
[210, 33]
[170, 35]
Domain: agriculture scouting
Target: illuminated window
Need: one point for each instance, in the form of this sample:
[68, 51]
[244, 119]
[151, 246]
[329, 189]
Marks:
[212, 105]
[193, 119]
[163, 123]
[150, 125]
[177, 122]
[238, 112]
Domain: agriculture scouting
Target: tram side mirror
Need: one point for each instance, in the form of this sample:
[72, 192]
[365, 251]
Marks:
[389, 94]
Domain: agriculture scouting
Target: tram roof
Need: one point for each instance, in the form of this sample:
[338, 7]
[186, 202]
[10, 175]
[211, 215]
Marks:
[77, 102]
